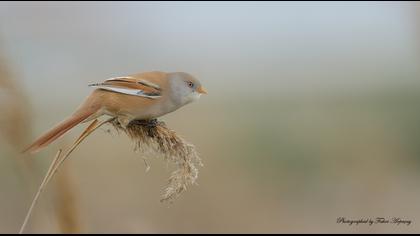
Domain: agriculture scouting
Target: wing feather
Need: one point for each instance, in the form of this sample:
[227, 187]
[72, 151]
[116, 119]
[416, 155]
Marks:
[130, 86]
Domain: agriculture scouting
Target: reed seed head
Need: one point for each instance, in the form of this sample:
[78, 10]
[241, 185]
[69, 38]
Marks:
[153, 136]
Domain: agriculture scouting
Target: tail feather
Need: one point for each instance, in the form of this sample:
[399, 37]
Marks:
[57, 131]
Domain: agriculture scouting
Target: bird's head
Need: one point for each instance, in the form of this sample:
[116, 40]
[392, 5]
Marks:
[185, 87]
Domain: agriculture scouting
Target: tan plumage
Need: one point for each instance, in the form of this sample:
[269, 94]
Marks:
[140, 96]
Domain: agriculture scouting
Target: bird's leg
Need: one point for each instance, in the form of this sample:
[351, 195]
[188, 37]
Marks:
[149, 123]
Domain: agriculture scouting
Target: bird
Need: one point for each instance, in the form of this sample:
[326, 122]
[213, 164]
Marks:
[141, 96]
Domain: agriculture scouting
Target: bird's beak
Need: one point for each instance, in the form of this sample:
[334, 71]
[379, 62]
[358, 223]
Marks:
[201, 90]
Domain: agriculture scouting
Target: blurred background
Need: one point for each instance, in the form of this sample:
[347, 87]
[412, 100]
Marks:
[312, 114]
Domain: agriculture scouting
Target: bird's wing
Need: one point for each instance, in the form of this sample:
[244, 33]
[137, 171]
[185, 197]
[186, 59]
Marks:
[130, 86]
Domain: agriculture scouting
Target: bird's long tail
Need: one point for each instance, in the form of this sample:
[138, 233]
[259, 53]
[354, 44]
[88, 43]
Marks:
[59, 130]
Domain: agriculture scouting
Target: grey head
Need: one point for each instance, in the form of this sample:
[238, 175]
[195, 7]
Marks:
[185, 88]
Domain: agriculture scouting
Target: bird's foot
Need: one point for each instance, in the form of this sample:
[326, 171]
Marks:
[150, 123]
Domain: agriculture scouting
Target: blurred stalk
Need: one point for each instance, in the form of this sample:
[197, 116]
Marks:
[66, 203]
[15, 129]
[14, 123]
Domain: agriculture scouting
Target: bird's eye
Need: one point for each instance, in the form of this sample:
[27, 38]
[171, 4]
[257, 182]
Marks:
[190, 84]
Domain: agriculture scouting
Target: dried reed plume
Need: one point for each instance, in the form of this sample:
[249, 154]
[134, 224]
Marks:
[150, 136]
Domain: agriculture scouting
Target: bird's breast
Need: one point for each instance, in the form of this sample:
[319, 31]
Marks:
[139, 108]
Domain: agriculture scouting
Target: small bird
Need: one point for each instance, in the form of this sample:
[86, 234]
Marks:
[140, 96]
